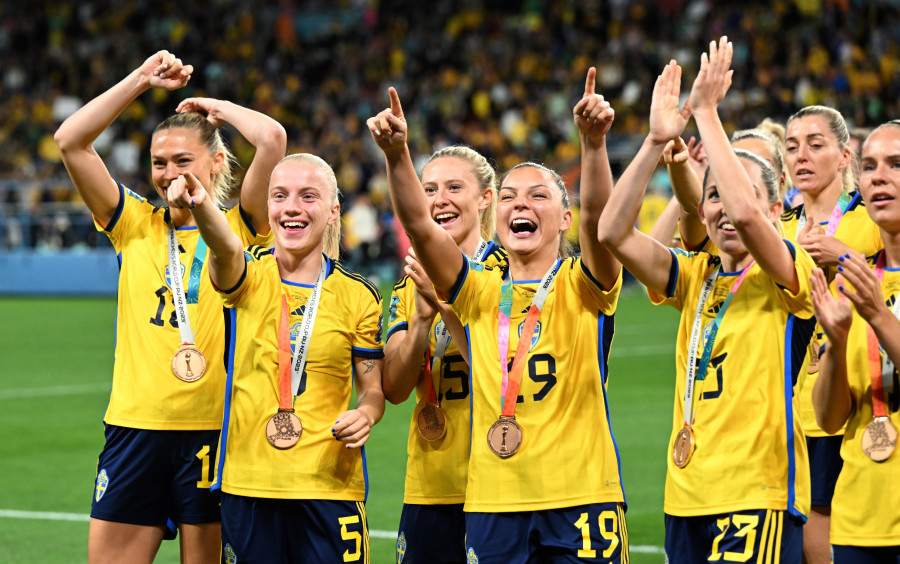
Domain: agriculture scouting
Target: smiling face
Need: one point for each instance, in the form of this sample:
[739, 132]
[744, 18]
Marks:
[301, 205]
[879, 177]
[720, 230]
[531, 217]
[179, 150]
[814, 156]
[456, 198]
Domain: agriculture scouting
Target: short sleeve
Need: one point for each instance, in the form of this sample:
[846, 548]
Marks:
[366, 340]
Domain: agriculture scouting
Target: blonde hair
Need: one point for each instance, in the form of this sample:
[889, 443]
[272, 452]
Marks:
[565, 247]
[838, 127]
[331, 239]
[211, 139]
[487, 180]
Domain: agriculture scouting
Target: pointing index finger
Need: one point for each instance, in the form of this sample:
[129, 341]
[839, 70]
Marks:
[589, 82]
[396, 108]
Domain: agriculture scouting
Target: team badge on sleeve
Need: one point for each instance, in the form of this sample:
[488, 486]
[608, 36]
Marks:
[401, 547]
[102, 483]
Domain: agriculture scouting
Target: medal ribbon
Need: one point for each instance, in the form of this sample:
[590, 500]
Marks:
[289, 371]
[878, 406]
[177, 283]
[443, 340]
[887, 365]
[699, 373]
[512, 378]
[840, 208]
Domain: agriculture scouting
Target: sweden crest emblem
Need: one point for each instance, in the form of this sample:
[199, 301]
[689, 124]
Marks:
[471, 557]
[229, 554]
[102, 483]
[401, 547]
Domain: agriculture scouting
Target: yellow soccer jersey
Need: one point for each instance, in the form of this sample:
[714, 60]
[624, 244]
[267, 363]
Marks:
[859, 232]
[145, 392]
[347, 325]
[866, 497]
[750, 451]
[568, 454]
[436, 471]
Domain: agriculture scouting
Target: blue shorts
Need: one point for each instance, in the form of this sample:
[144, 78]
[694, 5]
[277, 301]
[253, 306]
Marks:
[865, 554]
[149, 477]
[269, 531]
[432, 534]
[825, 465]
[584, 533]
[753, 535]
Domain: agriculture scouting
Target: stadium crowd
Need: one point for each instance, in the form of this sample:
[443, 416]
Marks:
[497, 75]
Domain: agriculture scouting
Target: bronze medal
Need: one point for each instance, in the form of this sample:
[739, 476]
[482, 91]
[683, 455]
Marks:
[431, 421]
[813, 366]
[283, 429]
[683, 447]
[505, 437]
[879, 439]
[188, 364]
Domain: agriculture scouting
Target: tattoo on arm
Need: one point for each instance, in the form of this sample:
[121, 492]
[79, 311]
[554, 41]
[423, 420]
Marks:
[361, 398]
[369, 364]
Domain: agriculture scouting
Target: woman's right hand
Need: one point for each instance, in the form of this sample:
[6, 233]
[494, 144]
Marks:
[389, 128]
[667, 121]
[165, 70]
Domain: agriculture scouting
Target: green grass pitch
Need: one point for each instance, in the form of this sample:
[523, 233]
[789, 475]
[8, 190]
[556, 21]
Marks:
[55, 372]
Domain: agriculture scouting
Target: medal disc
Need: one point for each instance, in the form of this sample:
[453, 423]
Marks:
[188, 364]
[813, 366]
[283, 429]
[683, 447]
[431, 421]
[879, 439]
[505, 437]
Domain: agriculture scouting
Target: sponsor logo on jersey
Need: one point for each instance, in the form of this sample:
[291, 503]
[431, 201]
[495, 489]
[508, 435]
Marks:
[229, 554]
[534, 337]
[401, 547]
[102, 483]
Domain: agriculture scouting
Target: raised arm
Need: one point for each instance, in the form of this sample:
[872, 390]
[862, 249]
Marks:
[435, 248]
[226, 254]
[593, 118]
[354, 425]
[688, 189]
[647, 259]
[831, 394]
[76, 135]
[261, 131]
[734, 186]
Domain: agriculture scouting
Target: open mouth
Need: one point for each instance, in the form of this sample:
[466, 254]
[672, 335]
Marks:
[445, 218]
[293, 225]
[522, 225]
[727, 226]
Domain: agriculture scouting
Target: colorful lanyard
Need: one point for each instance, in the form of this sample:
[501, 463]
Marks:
[512, 378]
[290, 372]
[840, 208]
[694, 373]
[179, 297]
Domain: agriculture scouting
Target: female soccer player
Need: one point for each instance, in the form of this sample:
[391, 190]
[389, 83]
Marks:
[460, 185]
[737, 480]
[858, 384]
[543, 477]
[165, 410]
[831, 222]
[300, 330]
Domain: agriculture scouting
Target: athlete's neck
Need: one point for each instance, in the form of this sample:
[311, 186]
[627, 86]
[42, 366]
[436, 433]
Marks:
[819, 205]
[297, 268]
[530, 268]
[182, 217]
[470, 244]
[891, 249]
[735, 263]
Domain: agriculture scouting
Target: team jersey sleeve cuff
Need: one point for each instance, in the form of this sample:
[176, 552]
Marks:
[234, 288]
[367, 353]
[248, 223]
[402, 326]
[460, 279]
[116, 214]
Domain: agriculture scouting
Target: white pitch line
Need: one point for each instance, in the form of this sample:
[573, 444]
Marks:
[375, 534]
[73, 390]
